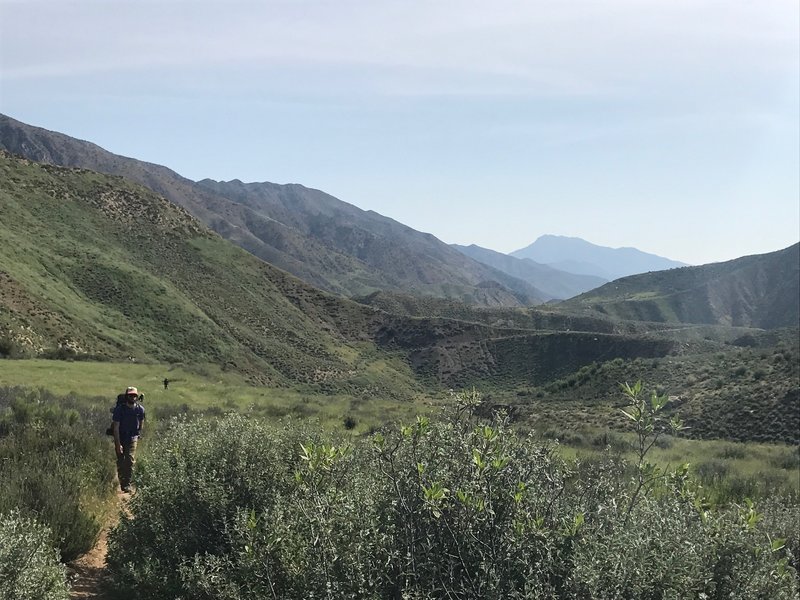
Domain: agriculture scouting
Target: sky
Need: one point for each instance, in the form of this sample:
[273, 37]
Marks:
[672, 126]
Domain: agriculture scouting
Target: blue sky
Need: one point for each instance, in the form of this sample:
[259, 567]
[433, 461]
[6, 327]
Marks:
[671, 126]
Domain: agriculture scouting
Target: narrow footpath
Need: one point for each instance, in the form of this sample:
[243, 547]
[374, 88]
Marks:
[88, 572]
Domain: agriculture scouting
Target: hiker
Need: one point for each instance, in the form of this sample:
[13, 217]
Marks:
[127, 424]
[166, 383]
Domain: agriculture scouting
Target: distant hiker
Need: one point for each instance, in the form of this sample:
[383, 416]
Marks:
[166, 383]
[127, 424]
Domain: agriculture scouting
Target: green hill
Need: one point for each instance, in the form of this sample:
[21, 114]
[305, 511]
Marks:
[96, 267]
[328, 243]
[753, 291]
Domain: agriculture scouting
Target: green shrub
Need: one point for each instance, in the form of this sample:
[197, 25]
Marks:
[454, 508]
[733, 451]
[54, 465]
[29, 564]
[11, 349]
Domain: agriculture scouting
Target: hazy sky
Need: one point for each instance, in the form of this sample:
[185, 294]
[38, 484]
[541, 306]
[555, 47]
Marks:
[668, 125]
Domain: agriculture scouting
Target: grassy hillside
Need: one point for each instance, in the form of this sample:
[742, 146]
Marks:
[328, 243]
[96, 267]
[754, 291]
[547, 318]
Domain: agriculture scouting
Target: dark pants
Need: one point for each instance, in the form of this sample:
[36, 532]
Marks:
[125, 462]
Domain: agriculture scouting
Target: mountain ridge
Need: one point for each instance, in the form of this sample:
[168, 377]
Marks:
[96, 267]
[759, 290]
[318, 244]
[557, 284]
[576, 255]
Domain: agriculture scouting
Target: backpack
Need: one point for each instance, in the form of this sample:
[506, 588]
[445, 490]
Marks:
[120, 400]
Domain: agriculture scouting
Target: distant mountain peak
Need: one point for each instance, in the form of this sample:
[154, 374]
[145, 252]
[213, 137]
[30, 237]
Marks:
[554, 283]
[578, 256]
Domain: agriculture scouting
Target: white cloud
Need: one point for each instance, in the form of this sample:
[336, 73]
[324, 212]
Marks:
[411, 47]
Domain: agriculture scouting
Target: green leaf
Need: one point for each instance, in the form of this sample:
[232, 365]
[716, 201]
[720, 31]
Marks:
[577, 522]
[778, 544]
[306, 453]
[478, 459]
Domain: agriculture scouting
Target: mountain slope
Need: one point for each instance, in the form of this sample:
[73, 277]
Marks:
[324, 241]
[409, 260]
[556, 284]
[94, 265]
[753, 291]
[575, 255]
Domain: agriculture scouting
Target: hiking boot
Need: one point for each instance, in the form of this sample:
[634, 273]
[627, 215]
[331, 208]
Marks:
[126, 489]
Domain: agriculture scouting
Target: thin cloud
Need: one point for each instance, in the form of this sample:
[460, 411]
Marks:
[425, 47]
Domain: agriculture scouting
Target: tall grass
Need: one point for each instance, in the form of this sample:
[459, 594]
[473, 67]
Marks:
[201, 388]
[55, 465]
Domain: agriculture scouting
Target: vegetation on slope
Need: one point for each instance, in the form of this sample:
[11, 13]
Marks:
[95, 267]
[98, 268]
[55, 466]
[29, 565]
[318, 238]
[209, 490]
[753, 291]
[745, 391]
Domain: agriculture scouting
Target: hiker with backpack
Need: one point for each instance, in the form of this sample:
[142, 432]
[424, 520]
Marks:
[127, 422]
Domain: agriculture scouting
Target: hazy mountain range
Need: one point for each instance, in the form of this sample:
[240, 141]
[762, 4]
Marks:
[555, 283]
[578, 256]
[761, 291]
[96, 267]
[331, 244]
[338, 247]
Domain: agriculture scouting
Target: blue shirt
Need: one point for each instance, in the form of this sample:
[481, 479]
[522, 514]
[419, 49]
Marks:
[130, 421]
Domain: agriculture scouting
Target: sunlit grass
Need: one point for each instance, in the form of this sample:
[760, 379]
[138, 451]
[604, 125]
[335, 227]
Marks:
[200, 388]
[724, 468]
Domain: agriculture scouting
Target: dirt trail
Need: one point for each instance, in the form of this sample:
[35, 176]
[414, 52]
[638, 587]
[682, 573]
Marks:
[89, 570]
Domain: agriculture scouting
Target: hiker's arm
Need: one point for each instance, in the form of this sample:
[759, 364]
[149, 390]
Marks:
[117, 444]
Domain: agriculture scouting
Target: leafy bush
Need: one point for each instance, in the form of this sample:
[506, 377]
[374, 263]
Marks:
[29, 564]
[10, 348]
[454, 508]
[54, 465]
